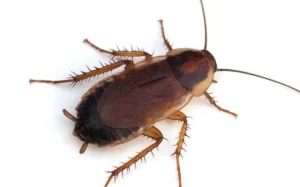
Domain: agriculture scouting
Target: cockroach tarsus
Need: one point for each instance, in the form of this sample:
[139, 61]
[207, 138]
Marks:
[126, 105]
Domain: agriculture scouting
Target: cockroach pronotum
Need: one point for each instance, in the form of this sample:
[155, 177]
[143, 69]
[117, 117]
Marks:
[126, 105]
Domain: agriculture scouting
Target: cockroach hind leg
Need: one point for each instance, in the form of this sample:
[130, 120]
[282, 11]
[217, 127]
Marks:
[120, 53]
[181, 141]
[166, 42]
[78, 78]
[213, 102]
[153, 133]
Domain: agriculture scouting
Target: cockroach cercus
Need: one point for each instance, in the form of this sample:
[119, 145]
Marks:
[126, 105]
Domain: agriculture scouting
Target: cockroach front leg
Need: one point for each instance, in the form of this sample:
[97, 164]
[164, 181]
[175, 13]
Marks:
[74, 79]
[153, 133]
[213, 102]
[166, 42]
[71, 117]
[120, 53]
[181, 117]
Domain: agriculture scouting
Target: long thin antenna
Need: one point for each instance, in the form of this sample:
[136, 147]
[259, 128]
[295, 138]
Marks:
[266, 78]
[205, 25]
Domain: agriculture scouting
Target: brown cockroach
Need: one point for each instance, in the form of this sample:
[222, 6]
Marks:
[126, 105]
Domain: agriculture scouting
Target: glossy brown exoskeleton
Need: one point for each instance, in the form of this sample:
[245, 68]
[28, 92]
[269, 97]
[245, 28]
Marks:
[127, 104]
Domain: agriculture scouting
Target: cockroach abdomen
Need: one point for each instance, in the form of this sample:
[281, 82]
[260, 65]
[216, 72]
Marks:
[89, 126]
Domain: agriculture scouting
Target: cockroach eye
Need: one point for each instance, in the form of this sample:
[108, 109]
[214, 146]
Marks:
[215, 66]
[211, 59]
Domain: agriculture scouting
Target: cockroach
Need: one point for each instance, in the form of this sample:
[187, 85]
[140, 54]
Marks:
[127, 104]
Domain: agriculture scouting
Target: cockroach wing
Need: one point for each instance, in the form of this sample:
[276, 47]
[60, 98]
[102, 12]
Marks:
[141, 97]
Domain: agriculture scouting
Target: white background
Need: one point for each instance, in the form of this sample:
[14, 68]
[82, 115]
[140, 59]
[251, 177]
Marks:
[43, 40]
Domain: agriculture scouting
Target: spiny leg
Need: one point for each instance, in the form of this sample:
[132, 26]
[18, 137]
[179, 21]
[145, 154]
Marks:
[71, 117]
[124, 53]
[74, 79]
[181, 117]
[166, 42]
[213, 102]
[153, 133]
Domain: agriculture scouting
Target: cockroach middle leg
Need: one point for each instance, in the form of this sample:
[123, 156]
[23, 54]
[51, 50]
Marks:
[120, 53]
[153, 133]
[166, 42]
[74, 79]
[181, 117]
[213, 102]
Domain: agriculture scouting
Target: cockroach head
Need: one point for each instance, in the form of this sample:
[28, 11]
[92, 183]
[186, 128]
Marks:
[214, 64]
[211, 59]
[194, 69]
[193, 56]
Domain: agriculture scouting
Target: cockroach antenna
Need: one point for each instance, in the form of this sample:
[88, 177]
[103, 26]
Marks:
[239, 71]
[205, 25]
[259, 76]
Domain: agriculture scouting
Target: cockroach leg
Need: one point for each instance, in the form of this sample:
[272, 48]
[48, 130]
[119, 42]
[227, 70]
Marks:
[123, 53]
[181, 117]
[83, 147]
[214, 81]
[166, 42]
[153, 133]
[74, 79]
[213, 102]
[68, 115]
